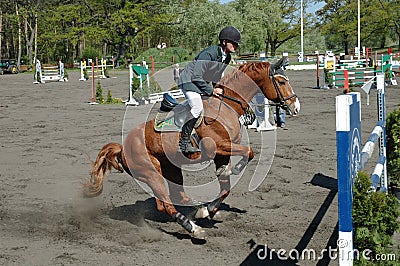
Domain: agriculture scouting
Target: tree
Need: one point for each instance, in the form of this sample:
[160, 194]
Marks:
[392, 10]
[201, 22]
[377, 19]
[269, 23]
[135, 18]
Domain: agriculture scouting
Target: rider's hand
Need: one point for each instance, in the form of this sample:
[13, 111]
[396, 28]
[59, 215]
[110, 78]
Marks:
[217, 91]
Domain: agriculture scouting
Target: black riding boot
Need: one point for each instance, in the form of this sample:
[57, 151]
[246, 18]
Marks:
[185, 145]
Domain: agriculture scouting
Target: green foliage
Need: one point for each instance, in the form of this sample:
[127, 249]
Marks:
[338, 20]
[91, 53]
[111, 100]
[164, 55]
[99, 93]
[200, 23]
[74, 29]
[135, 86]
[109, 97]
[375, 217]
[143, 93]
[393, 146]
[66, 75]
[328, 76]
[85, 74]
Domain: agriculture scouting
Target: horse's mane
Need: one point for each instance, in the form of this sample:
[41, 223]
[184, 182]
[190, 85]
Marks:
[246, 75]
[248, 69]
[254, 67]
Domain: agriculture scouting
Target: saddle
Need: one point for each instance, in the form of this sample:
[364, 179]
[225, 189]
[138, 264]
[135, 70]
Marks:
[172, 115]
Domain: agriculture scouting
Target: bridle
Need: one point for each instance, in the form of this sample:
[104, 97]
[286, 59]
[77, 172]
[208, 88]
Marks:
[282, 100]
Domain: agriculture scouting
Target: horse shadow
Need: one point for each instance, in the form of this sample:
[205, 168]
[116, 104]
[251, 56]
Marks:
[142, 211]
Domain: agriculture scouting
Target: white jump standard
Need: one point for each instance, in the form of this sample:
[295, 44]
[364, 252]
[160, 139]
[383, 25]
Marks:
[49, 73]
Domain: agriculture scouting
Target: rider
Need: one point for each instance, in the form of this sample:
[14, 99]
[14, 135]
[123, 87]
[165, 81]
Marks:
[193, 80]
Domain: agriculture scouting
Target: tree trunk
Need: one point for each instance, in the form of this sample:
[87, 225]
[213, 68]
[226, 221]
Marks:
[29, 38]
[1, 32]
[82, 44]
[346, 45]
[36, 35]
[273, 49]
[383, 41]
[75, 51]
[19, 36]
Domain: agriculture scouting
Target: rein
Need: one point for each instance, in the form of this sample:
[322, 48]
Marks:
[231, 98]
[220, 104]
[282, 100]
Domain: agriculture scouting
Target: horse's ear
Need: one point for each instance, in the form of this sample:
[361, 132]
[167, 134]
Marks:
[280, 63]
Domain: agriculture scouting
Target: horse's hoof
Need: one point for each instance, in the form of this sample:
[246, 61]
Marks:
[223, 171]
[202, 213]
[199, 232]
[217, 216]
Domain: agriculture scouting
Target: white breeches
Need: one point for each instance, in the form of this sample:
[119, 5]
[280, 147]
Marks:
[195, 103]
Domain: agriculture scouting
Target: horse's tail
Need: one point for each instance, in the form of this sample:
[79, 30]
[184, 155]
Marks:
[109, 156]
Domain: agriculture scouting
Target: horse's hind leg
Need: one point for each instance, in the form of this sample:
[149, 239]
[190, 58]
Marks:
[175, 183]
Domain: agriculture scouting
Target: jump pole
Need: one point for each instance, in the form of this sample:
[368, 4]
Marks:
[93, 88]
[317, 55]
[152, 66]
[346, 80]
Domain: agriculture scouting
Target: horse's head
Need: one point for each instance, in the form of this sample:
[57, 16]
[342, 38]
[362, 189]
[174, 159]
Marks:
[279, 90]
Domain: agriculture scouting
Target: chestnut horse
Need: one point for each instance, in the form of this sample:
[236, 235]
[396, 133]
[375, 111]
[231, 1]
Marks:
[151, 156]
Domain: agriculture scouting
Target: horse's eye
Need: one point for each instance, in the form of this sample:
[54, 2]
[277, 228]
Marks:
[282, 83]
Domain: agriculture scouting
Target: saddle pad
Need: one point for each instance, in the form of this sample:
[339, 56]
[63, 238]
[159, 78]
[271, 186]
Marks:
[165, 122]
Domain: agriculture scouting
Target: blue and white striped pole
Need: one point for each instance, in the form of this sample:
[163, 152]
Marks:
[350, 160]
[348, 142]
[380, 84]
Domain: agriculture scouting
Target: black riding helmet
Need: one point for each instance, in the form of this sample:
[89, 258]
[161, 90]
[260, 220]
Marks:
[231, 34]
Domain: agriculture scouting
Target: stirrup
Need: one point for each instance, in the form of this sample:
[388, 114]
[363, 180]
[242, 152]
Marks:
[188, 148]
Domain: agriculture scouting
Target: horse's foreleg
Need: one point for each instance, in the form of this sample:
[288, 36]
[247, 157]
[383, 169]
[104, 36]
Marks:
[156, 182]
[225, 187]
[227, 149]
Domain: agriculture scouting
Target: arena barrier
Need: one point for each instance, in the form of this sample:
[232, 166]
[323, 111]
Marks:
[49, 73]
[351, 159]
[261, 108]
[158, 97]
[99, 69]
